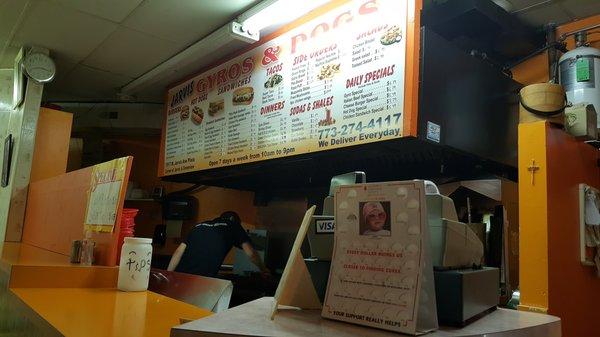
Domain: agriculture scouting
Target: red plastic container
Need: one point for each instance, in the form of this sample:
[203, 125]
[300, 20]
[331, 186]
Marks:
[127, 226]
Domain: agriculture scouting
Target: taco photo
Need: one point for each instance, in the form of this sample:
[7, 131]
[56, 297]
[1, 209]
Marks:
[273, 81]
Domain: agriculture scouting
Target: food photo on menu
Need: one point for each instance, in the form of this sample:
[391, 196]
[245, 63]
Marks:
[216, 107]
[374, 218]
[328, 71]
[273, 81]
[243, 96]
[197, 115]
[328, 120]
[185, 112]
[391, 36]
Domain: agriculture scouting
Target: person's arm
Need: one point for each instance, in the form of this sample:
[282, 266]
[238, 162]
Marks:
[254, 257]
[176, 257]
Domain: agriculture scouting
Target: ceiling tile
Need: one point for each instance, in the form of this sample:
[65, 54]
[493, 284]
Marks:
[53, 94]
[63, 30]
[541, 15]
[154, 94]
[9, 17]
[63, 67]
[581, 8]
[518, 5]
[184, 21]
[130, 53]
[155, 91]
[113, 10]
[90, 83]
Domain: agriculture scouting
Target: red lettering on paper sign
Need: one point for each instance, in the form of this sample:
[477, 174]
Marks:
[272, 107]
[368, 7]
[224, 75]
[271, 55]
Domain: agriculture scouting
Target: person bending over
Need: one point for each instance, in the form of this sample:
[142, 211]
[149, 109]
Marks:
[208, 243]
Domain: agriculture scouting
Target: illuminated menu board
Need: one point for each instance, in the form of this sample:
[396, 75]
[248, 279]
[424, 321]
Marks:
[334, 81]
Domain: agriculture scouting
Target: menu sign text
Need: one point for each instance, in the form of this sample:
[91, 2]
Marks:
[335, 81]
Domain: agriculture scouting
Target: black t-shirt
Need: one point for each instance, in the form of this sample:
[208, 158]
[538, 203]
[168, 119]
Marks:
[207, 245]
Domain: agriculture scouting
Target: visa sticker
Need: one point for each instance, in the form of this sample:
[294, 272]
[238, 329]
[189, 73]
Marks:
[325, 226]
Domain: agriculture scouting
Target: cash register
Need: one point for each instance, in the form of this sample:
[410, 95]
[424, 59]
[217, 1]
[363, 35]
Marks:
[320, 234]
[465, 290]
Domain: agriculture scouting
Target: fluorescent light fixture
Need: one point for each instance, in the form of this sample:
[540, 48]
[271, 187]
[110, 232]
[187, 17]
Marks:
[246, 28]
[239, 32]
[273, 12]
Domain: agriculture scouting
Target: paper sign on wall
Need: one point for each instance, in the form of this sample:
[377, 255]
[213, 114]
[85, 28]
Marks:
[104, 195]
[381, 273]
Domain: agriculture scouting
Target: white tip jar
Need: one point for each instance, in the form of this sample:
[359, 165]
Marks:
[134, 266]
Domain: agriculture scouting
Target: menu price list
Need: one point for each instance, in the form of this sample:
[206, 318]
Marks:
[174, 140]
[370, 98]
[367, 51]
[214, 138]
[182, 143]
[239, 131]
[337, 92]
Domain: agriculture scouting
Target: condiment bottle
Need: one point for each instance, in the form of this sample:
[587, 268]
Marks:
[87, 249]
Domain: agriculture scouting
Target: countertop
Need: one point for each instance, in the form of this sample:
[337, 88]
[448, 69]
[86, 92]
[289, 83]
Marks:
[252, 319]
[108, 312]
[73, 300]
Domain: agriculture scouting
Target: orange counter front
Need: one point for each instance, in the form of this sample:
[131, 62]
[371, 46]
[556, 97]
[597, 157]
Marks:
[552, 164]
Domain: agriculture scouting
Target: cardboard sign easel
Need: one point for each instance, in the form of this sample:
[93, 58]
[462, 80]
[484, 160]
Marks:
[296, 288]
[381, 272]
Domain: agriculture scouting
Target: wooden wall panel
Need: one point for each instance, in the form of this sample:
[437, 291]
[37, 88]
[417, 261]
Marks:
[51, 144]
[56, 212]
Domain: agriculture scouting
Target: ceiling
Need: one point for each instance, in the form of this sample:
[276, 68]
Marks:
[540, 12]
[101, 45]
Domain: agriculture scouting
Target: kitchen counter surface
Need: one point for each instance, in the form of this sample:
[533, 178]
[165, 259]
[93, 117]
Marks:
[107, 312]
[45, 295]
[252, 319]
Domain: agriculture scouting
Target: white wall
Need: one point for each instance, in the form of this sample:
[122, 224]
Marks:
[22, 124]
[5, 114]
[130, 116]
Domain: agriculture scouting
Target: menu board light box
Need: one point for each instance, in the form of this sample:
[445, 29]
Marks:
[332, 82]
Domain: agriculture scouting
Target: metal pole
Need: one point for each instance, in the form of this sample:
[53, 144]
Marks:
[469, 210]
[550, 29]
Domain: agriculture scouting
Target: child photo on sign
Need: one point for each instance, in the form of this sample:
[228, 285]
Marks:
[374, 218]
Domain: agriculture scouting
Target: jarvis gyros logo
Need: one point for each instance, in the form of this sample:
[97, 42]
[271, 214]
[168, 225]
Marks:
[182, 94]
